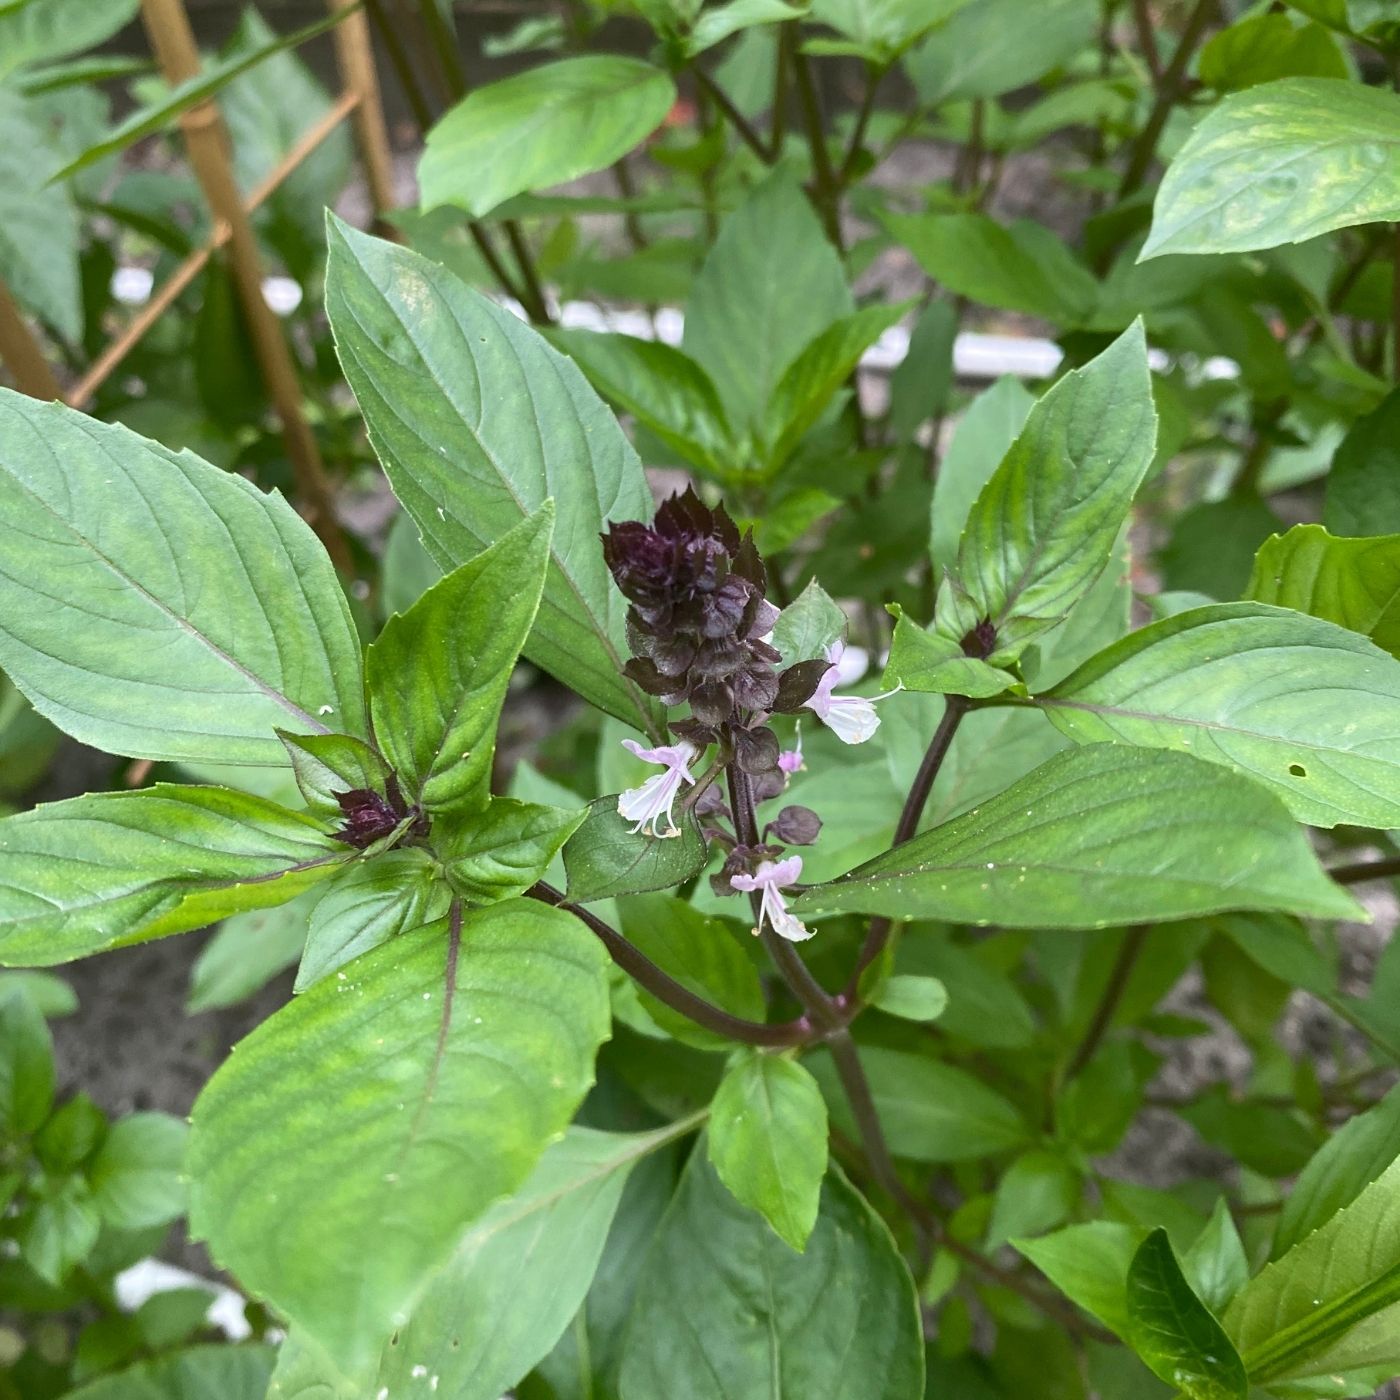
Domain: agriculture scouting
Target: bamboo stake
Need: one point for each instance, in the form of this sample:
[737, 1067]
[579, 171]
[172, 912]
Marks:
[121, 346]
[355, 56]
[206, 142]
[22, 352]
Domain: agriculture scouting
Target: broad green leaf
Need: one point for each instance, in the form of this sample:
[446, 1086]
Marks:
[606, 857]
[1097, 836]
[702, 954]
[515, 1280]
[57, 1231]
[882, 29]
[767, 1141]
[912, 998]
[138, 1175]
[1373, 20]
[929, 663]
[770, 285]
[994, 46]
[1089, 1265]
[921, 382]
[727, 1312]
[38, 31]
[247, 952]
[810, 381]
[1036, 1193]
[408, 569]
[1044, 526]
[931, 1111]
[1353, 1157]
[1174, 1332]
[228, 1372]
[457, 394]
[1363, 487]
[326, 764]
[1302, 705]
[376, 1117]
[1216, 1265]
[541, 127]
[984, 435]
[1097, 620]
[368, 904]
[438, 673]
[26, 1065]
[1332, 1303]
[115, 868]
[155, 606]
[157, 115]
[1260, 48]
[663, 389]
[715, 25]
[1352, 582]
[808, 625]
[1280, 163]
[51, 995]
[502, 851]
[1021, 266]
[39, 232]
[984, 1006]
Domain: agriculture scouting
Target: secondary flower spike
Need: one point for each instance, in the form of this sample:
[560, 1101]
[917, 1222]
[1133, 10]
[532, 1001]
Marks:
[851, 718]
[771, 877]
[651, 802]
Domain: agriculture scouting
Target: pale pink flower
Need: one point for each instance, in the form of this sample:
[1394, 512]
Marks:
[790, 760]
[771, 877]
[654, 799]
[851, 718]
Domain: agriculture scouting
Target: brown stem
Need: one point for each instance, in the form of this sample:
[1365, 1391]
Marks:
[1131, 950]
[1147, 40]
[402, 65]
[666, 989]
[1168, 92]
[874, 76]
[954, 710]
[536, 307]
[734, 116]
[1364, 870]
[827, 194]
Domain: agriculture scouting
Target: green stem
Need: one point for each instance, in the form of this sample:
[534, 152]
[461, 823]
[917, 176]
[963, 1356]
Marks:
[827, 194]
[1128, 954]
[734, 116]
[445, 45]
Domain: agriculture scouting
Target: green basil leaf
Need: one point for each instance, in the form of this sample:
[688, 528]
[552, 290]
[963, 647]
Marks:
[1280, 163]
[368, 904]
[771, 284]
[715, 25]
[663, 389]
[504, 850]
[121, 867]
[1363, 487]
[1035, 1193]
[56, 1231]
[723, 1313]
[1260, 48]
[808, 625]
[912, 998]
[26, 1065]
[1303, 706]
[538, 128]
[767, 1141]
[1352, 582]
[1174, 1332]
[37, 31]
[138, 1175]
[1044, 526]
[1089, 1265]
[1216, 1265]
[931, 1111]
[820, 368]
[928, 663]
[606, 857]
[1332, 1302]
[456, 391]
[230, 1372]
[1098, 836]
[438, 673]
[1353, 1157]
[702, 954]
[327, 764]
[882, 29]
[378, 1116]
[183, 630]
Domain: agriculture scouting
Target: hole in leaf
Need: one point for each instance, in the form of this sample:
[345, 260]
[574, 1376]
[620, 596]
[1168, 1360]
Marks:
[1297, 770]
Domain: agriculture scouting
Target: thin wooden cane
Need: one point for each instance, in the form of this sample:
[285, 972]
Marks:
[355, 56]
[206, 142]
[121, 346]
[22, 353]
